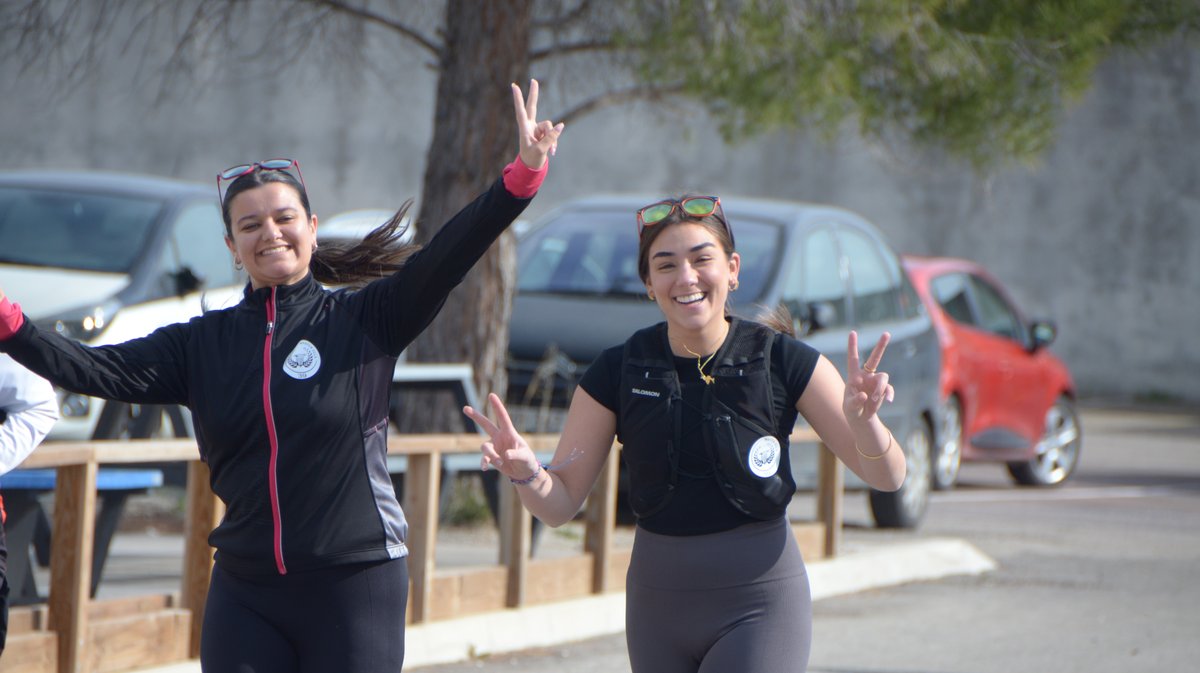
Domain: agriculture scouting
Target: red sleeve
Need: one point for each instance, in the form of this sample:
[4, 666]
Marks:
[522, 181]
[11, 318]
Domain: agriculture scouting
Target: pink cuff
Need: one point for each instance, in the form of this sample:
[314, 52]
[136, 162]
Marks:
[522, 181]
[11, 318]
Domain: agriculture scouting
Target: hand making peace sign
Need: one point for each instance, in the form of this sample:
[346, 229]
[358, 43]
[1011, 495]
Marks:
[866, 388]
[536, 140]
[507, 450]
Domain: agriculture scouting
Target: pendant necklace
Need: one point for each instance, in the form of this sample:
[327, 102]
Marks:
[700, 365]
[708, 380]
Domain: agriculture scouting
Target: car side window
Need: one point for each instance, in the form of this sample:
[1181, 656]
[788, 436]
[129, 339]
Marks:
[823, 291]
[197, 241]
[995, 315]
[875, 277]
[582, 254]
[950, 292]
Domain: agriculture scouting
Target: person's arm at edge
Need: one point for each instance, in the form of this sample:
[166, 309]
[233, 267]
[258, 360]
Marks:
[31, 409]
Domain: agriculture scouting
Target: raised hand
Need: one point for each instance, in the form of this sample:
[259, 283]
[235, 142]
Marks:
[536, 140]
[507, 450]
[866, 387]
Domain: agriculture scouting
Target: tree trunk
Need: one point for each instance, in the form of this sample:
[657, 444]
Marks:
[474, 137]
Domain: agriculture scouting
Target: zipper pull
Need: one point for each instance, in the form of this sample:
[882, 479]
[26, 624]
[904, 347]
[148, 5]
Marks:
[270, 326]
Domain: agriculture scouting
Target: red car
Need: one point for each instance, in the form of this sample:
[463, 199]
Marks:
[1005, 396]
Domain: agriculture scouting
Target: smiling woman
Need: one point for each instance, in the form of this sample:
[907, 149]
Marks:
[289, 394]
[704, 404]
[271, 234]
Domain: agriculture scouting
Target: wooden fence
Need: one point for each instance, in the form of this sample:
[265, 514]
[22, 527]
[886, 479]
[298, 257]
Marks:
[72, 633]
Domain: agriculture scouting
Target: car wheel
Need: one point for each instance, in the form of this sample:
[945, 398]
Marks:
[1057, 451]
[948, 457]
[906, 507]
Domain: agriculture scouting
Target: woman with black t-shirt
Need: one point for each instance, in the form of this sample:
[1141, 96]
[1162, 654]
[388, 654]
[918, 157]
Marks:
[703, 405]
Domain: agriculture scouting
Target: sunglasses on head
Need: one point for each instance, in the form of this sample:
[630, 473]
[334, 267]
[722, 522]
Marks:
[235, 172]
[695, 207]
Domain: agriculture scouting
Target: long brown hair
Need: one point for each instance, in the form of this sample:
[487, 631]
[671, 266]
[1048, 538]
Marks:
[380, 253]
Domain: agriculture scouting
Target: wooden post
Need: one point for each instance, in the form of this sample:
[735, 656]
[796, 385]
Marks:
[830, 483]
[421, 486]
[601, 516]
[71, 562]
[516, 533]
[204, 512]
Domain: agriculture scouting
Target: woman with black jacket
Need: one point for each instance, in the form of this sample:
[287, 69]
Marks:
[289, 393]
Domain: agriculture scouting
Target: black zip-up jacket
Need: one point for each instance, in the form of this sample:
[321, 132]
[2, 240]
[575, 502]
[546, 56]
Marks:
[289, 394]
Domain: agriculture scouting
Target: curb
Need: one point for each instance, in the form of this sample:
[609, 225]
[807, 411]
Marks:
[594, 616]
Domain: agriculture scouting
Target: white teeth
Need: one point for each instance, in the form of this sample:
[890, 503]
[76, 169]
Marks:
[690, 298]
[272, 251]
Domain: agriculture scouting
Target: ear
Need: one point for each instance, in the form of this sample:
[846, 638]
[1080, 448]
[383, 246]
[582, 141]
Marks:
[229, 244]
[735, 266]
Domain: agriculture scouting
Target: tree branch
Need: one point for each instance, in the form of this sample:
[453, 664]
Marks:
[563, 49]
[413, 34]
[649, 92]
[559, 21]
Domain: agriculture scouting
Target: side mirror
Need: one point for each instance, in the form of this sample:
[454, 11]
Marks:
[1042, 333]
[186, 281]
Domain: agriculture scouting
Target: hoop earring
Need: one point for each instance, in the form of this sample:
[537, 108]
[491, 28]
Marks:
[733, 285]
[650, 294]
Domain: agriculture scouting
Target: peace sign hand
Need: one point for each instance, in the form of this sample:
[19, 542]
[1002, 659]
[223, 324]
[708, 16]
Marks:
[536, 140]
[866, 388]
[507, 450]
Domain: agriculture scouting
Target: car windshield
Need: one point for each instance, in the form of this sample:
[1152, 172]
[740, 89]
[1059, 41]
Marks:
[70, 230]
[591, 252]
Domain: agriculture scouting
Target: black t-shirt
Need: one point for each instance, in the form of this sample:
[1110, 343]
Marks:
[698, 506]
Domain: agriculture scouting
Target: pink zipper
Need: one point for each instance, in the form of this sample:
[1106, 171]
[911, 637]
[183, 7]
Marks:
[272, 481]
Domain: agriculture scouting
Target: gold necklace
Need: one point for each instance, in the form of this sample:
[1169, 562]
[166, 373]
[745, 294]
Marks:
[708, 380]
[700, 365]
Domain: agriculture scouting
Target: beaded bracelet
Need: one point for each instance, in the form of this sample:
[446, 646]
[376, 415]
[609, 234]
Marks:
[891, 439]
[530, 478]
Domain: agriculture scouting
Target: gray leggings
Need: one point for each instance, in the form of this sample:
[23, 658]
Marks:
[731, 601]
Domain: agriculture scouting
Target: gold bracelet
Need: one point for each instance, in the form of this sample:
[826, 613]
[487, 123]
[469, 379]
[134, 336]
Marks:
[891, 439]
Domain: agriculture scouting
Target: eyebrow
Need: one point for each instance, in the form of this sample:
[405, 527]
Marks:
[697, 248]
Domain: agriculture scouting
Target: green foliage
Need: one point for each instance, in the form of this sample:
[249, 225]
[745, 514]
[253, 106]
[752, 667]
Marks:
[982, 79]
[467, 505]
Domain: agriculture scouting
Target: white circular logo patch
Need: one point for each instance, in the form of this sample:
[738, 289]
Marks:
[764, 456]
[303, 361]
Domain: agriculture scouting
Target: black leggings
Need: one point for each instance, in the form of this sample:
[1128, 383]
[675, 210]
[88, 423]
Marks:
[348, 619]
[731, 601]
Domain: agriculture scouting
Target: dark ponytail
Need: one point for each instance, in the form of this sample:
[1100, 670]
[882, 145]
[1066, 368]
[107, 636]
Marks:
[379, 254]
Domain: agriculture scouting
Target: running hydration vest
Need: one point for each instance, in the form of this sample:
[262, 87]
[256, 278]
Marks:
[740, 432]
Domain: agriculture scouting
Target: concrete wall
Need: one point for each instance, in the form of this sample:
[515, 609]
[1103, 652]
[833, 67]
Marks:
[1103, 235]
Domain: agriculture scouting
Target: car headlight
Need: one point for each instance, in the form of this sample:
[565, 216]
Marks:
[84, 323]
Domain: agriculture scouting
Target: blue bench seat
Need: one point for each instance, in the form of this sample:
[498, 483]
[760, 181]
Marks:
[28, 529]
